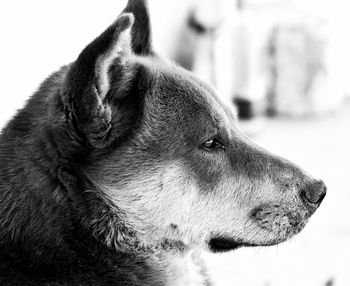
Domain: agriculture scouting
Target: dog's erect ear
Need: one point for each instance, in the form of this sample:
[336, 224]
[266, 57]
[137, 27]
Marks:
[141, 30]
[87, 81]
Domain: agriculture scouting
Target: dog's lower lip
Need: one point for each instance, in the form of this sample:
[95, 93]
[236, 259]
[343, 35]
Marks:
[220, 244]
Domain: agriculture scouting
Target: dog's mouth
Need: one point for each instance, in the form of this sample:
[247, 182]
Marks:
[221, 244]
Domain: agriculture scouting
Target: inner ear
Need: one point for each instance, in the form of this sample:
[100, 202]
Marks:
[141, 30]
[119, 49]
[112, 45]
[88, 81]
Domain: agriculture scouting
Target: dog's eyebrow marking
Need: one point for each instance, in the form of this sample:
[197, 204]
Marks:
[223, 111]
[220, 113]
[222, 101]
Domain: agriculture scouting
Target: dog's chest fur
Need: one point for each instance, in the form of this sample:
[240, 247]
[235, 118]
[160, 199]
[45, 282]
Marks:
[188, 271]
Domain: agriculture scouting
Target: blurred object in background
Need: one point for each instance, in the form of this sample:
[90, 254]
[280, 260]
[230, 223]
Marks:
[265, 56]
[205, 20]
[298, 67]
[196, 46]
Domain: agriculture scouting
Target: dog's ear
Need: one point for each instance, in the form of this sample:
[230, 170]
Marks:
[141, 30]
[87, 82]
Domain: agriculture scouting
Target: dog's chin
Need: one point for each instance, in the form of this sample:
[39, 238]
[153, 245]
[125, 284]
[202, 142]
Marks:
[221, 244]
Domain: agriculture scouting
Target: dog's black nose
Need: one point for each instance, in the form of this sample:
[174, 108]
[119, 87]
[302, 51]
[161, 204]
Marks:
[314, 193]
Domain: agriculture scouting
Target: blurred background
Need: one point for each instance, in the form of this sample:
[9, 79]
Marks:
[285, 64]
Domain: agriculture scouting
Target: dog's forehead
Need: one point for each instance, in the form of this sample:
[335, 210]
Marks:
[223, 110]
[196, 90]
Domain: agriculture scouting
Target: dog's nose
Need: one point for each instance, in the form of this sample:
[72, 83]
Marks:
[314, 193]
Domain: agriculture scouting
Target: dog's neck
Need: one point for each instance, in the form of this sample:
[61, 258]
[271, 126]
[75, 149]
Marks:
[165, 263]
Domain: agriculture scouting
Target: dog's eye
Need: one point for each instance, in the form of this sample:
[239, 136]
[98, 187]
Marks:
[212, 144]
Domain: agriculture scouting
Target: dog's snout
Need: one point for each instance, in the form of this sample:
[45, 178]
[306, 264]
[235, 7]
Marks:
[314, 193]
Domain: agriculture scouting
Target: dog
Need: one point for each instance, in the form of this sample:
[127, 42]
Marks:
[122, 165]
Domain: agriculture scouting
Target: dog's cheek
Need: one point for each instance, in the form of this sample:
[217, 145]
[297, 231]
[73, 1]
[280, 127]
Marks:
[207, 169]
[157, 202]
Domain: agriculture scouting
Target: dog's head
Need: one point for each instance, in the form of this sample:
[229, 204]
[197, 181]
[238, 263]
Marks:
[165, 155]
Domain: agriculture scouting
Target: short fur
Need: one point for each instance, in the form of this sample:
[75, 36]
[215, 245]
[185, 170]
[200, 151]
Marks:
[107, 177]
